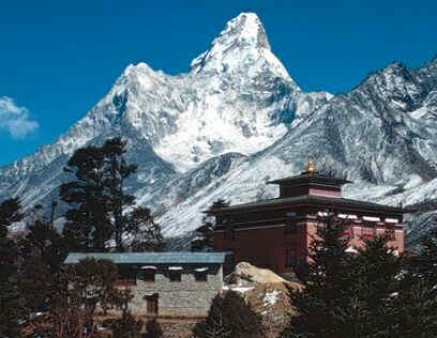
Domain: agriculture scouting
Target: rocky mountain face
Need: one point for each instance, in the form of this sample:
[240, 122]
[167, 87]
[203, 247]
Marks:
[237, 119]
[381, 135]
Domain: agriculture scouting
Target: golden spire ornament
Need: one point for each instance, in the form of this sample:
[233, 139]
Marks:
[311, 167]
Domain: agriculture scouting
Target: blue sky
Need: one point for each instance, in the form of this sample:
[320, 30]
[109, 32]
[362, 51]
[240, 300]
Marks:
[58, 58]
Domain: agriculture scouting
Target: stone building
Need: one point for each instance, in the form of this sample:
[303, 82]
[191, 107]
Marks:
[277, 233]
[166, 284]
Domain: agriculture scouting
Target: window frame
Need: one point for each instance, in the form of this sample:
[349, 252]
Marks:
[126, 275]
[149, 271]
[290, 257]
[175, 275]
[201, 274]
[229, 233]
[290, 223]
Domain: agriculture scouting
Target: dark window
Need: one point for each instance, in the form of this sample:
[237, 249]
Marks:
[149, 274]
[126, 275]
[201, 275]
[175, 275]
[229, 233]
[290, 223]
[290, 258]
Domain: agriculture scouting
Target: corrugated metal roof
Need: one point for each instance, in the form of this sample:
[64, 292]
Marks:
[150, 257]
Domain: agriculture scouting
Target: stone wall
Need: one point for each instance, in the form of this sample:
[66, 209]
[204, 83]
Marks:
[187, 298]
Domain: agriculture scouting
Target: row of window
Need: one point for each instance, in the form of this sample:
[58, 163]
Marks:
[352, 232]
[291, 226]
[174, 274]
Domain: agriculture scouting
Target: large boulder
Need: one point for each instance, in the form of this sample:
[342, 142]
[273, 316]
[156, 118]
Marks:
[266, 293]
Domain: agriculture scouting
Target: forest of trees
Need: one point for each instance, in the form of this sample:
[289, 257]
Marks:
[372, 293]
[34, 283]
[100, 209]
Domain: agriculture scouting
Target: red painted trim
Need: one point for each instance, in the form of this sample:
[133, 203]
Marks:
[324, 193]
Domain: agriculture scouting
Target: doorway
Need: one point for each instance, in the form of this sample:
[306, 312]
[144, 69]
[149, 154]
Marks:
[152, 304]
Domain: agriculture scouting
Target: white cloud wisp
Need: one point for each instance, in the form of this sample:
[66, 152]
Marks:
[15, 119]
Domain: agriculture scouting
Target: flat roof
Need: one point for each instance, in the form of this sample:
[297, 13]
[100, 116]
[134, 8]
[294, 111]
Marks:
[150, 257]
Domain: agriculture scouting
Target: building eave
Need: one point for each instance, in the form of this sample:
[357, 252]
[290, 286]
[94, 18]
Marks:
[310, 201]
[150, 257]
[310, 178]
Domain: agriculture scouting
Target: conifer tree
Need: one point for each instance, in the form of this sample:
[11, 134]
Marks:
[229, 317]
[374, 284]
[320, 302]
[416, 314]
[425, 265]
[87, 220]
[347, 296]
[9, 300]
[10, 212]
[41, 256]
[204, 235]
[99, 202]
[117, 171]
[146, 232]
[417, 298]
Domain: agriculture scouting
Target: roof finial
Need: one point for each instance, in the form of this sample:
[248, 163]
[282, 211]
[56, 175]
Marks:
[311, 167]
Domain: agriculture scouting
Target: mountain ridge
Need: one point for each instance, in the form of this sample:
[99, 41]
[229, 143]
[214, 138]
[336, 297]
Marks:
[219, 130]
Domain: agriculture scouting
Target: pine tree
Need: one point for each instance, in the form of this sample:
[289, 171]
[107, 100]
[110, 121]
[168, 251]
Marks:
[204, 235]
[9, 297]
[425, 265]
[417, 298]
[416, 314]
[374, 273]
[41, 256]
[117, 172]
[347, 296]
[230, 317]
[10, 212]
[99, 201]
[320, 303]
[146, 232]
[87, 220]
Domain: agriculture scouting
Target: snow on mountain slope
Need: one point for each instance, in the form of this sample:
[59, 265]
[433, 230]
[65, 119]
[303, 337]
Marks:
[237, 120]
[239, 67]
[237, 97]
[373, 135]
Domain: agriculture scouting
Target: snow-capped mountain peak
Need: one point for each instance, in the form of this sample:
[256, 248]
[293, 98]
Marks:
[246, 29]
[236, 119]
[240, 46]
